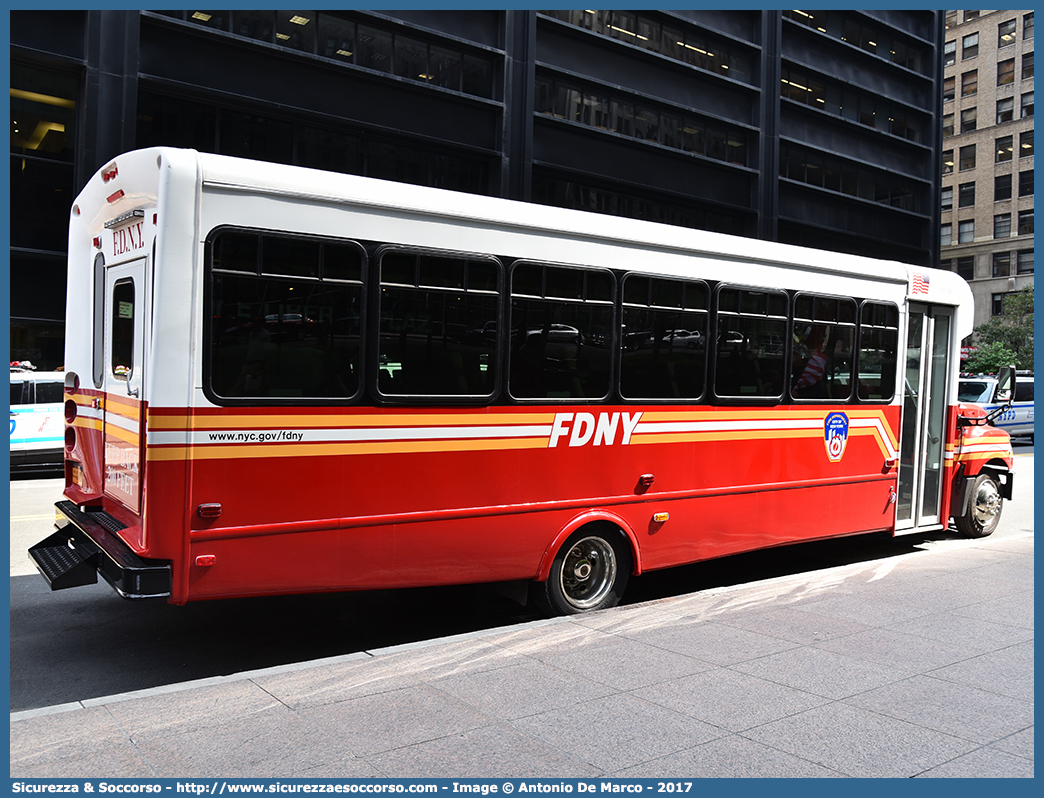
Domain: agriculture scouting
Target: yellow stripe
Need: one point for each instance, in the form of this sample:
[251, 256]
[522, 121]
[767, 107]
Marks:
[89, 423]
[112, 431]
[321, 449]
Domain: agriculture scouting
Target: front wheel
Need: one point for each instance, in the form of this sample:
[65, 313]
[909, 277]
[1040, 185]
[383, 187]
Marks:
[589, 572]
[984, 508]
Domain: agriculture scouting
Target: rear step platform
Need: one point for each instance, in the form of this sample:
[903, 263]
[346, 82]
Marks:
[82, 548]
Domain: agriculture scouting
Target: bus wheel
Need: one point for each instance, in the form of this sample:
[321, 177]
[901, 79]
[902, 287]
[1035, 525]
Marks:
[984, 508]
[589, 572]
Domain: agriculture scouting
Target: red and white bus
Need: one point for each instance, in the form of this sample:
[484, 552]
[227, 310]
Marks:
[282, 380]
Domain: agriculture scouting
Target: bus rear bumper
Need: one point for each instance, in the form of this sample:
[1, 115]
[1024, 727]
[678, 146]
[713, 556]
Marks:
[82, 548]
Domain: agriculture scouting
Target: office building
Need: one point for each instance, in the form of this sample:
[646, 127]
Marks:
[987, 180]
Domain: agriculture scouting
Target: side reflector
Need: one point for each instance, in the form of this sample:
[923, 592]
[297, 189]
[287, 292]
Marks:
[661, 517]
[646, 480]
[113, 197]
[212, 510]
[206, 560]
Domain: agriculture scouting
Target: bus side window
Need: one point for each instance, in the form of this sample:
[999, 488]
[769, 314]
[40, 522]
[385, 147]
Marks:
[285, 317]
[751, 346]
[438, 326]
[823, 354]
[663, 338]
[561, 332]
[878, 352]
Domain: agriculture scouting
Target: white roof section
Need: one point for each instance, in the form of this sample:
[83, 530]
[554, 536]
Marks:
[450, 206]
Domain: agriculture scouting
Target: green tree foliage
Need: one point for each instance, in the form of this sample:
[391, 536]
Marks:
[989, 359]
[1011, 331]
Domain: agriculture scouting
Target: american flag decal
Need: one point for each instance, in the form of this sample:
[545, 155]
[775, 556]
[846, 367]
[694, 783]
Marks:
[920, 283]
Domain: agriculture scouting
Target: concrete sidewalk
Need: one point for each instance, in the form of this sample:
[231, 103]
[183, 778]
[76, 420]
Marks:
[916, 665]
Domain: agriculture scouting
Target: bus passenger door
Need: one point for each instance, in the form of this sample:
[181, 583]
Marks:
[923, 435]
[123, 379]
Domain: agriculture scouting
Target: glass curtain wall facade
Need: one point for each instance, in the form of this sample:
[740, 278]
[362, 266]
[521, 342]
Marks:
[808, 127]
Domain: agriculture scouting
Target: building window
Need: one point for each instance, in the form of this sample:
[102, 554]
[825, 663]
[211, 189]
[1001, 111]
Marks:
[1027, 26]
[1024, 261]
[1027, 104]
[946, 231]
[1005, 148]
[967, 157]
[1005, 110]
[1026, 223]
[966, 232]
[1006, 33]
[997, 305]
[947, 198]
[966, 267]
[1002, 225]
[1026, 144]
[947, 125]
[951, 19]
[1001, 264]
[966, 195]
[950, 53]
[947, 162]
[1001, 188]
[949, 88]
[969, 119]
[969, 46]
[1026, 183]
[969, 83]
[1006, 72]
[693, 47]
[1027, 65]
[970, 15]
[619, 114]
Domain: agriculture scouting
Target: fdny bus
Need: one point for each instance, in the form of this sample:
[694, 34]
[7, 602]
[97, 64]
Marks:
[281, 380]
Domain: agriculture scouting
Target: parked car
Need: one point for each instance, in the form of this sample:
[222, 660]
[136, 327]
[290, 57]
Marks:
[37, 421]
[981, 389]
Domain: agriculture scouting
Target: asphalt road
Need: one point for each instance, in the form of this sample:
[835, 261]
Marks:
[87, 642]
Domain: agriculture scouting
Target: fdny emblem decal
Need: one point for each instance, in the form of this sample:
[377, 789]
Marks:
[835, 429]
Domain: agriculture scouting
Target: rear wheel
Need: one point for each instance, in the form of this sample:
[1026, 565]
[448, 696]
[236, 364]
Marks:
[984, 508]
[589, 572]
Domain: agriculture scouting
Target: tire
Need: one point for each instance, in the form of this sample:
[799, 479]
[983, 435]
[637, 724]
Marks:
[589, 572]
[984, 508]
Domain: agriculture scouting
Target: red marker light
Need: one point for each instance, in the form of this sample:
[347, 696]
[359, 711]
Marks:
[206, 560]
[113, 197]
[109, 173]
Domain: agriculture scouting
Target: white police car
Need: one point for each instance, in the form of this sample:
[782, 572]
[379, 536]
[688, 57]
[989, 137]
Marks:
[1017, 420]
[37, 420]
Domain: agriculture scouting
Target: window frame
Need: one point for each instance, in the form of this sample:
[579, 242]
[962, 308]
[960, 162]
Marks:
[508, 297]
[854, 325]
[719, 315]
[373, 329]
[707, 312]
[208, 315]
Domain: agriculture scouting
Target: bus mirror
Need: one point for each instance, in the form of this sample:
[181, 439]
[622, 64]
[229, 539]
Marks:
[1005, 386]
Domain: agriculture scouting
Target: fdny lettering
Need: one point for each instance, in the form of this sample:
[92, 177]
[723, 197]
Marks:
[128, 239]
[583, 428]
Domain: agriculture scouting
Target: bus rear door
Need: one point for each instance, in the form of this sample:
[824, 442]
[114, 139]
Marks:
[123, 382]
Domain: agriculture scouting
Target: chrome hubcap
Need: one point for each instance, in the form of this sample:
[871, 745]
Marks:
[588, 572]
[987, 503]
